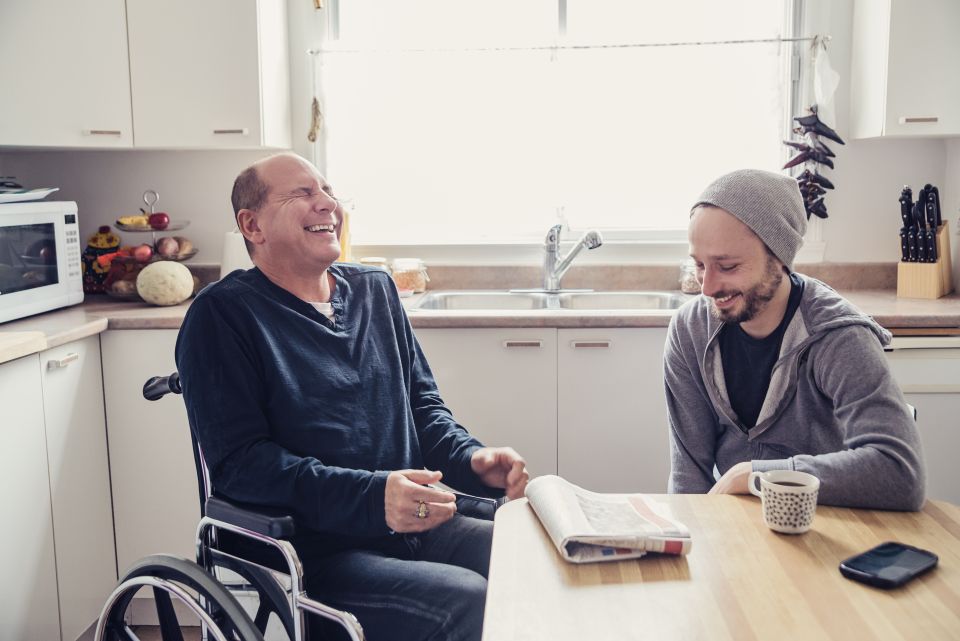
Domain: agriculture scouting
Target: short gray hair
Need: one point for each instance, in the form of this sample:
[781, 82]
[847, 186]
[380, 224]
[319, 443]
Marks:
[249, 192]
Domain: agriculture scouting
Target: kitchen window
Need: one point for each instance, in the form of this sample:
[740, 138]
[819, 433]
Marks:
[466, 122]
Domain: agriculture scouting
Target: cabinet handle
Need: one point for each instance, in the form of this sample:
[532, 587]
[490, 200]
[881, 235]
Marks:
[594, 344]
[242, 132]
[63, 362]
[509, 343]
[102, 132]
[909, 120]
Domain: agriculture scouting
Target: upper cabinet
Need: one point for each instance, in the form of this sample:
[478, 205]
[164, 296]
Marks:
[210, 74]
[159, 75]
[903, 76]
[66, 80]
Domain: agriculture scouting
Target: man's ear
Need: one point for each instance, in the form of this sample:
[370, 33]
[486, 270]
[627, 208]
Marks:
[249, 227]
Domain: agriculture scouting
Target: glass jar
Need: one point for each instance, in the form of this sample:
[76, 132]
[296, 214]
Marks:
[410, 274]
[688, 277]
[376, 261]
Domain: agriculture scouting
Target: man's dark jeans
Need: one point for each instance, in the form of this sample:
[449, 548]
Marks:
[430, 586]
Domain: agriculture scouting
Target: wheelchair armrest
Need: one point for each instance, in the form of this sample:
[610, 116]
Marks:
[259, 519]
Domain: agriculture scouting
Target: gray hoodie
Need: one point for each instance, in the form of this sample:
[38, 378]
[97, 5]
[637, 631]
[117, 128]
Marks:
[832, 409]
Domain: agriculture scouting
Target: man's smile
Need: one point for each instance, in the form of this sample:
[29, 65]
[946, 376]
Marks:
[725, 301]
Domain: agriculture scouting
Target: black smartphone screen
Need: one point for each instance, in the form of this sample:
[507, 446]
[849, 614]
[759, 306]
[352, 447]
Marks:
[888, 565]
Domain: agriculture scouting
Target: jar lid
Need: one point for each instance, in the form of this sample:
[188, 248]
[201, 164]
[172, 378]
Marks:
[373, 260]
[407, 264]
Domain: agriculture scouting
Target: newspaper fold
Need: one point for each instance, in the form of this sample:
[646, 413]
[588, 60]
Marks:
[587, 527]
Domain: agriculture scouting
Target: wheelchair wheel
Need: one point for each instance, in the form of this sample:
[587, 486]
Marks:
[168, 576]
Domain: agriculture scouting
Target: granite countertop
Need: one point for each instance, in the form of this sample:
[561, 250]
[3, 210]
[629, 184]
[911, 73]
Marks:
[44, 331]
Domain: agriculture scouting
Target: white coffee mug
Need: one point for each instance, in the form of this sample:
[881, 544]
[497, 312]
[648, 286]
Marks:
[789, 499]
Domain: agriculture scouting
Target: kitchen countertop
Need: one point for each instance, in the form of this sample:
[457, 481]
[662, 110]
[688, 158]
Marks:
[98, 313]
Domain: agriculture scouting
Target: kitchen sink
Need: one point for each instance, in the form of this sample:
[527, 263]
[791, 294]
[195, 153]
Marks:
[626, 300]
[482, 300]
[505, 300]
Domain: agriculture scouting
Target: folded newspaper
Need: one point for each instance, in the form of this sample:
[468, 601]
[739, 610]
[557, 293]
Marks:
[587, 527]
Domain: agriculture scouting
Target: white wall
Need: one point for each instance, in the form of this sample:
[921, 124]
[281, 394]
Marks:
[950, 203]
[193, 185]
[864, 222]
[864, 214]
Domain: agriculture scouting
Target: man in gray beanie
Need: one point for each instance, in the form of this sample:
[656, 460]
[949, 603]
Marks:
[769, 369]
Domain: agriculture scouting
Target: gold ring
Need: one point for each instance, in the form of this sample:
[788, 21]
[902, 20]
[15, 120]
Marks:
[422, 510]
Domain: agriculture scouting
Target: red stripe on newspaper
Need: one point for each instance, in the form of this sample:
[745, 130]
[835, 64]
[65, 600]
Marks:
[673, 547]
[641, 506]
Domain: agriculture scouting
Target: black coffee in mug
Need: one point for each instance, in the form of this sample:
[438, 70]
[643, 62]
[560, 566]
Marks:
[787, 483]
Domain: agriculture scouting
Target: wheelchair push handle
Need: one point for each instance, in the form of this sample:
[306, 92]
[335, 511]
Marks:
[159, 386]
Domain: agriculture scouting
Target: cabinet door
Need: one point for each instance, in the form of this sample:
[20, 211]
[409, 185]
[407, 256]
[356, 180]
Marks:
[204, 74]
[922, 80]
[612, 414]
[501, 385]
[28, 593]
[155, 497]
[79, 481]
[65, 76]
[903, 77]
[930, 380]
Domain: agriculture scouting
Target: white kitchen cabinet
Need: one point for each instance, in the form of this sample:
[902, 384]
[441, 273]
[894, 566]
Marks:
[586, 404]
[155, 497]
[501, 385]
[28, 593]
[612, 416]
[210, 74]
[903, 68]
[928, 371]
[66, 79]
[79, 482]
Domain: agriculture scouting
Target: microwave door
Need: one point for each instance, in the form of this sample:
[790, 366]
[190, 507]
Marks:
[28, 257]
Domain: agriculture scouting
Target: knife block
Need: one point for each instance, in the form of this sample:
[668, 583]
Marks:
[928, 280]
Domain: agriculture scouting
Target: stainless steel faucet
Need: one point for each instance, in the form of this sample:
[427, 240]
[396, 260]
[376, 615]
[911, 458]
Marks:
[555, 265]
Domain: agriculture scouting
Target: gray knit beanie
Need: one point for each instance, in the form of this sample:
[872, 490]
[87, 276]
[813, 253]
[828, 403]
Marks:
[768, 203]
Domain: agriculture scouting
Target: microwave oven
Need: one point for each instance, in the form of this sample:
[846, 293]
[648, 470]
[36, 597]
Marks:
[40, 267]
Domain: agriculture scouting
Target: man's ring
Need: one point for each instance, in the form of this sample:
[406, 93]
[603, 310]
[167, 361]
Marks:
[422, 510]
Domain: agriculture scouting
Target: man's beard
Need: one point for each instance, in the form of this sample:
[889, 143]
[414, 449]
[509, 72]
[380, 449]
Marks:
[755, 299]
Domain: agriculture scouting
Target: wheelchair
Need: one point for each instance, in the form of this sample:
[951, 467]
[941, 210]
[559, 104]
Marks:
[226, 535]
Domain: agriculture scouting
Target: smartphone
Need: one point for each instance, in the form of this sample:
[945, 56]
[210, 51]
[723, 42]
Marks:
[468, 503]
[889, 565]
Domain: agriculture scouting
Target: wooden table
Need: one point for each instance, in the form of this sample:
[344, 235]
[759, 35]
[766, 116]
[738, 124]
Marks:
[741, 581]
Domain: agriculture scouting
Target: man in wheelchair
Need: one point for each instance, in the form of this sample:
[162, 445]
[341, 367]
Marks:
[308, 391]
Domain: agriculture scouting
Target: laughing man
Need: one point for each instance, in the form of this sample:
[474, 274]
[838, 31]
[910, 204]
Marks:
[769, 369]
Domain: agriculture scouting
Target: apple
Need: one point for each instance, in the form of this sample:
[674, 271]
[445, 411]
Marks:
[142, 253]
[159, 220]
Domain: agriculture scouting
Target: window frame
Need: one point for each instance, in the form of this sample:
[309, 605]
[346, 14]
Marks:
[620, 246]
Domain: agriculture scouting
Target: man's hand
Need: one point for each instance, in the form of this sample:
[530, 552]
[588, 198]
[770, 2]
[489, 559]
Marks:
[406, 489]
[734, 481]
[501, 467]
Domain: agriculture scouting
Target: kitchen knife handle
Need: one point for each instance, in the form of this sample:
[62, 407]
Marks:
[931, 211]
[904, 251]
[912, 245]
[934, 195]
[922, 246]
[906, 205]
[931, 237]
[918, 216]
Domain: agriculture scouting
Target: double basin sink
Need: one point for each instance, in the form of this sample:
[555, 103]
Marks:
[520, 300]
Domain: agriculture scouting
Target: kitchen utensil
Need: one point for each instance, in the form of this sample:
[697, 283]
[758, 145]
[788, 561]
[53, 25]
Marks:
[933, 195]
[906, 205]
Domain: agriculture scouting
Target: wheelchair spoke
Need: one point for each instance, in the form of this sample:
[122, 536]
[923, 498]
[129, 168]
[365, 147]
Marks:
[169, 626]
